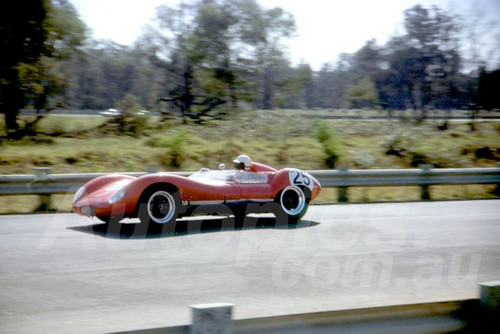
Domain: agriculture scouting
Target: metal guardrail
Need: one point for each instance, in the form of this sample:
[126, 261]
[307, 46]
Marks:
[44, 183]
[407, 177]
[423, 177]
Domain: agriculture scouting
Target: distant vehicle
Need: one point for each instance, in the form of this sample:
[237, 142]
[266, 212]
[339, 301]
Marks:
[143, 112]
[161, 198]
[111, 112]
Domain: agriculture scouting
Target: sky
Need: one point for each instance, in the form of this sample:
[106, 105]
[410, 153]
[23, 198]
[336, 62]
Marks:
[325, 28]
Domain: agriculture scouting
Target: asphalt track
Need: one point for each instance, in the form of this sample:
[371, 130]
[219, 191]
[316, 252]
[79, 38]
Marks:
[62, 273]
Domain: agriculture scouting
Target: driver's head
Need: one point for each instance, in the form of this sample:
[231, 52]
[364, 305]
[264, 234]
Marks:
[242, 162]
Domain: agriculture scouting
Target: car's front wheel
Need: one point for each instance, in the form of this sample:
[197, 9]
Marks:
[293, 204]
[159, 205]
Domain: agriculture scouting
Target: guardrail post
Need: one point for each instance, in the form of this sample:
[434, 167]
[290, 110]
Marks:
[42, 174]
[342, 196]
[425, 193]
[212, 318]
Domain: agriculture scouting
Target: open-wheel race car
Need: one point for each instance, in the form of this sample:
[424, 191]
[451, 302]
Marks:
[161, 198]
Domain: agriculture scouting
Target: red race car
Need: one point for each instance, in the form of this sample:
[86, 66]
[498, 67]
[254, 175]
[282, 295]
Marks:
[161, 198]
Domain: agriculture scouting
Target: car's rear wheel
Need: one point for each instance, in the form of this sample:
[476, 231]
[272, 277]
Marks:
[293, 204]
[159, 205]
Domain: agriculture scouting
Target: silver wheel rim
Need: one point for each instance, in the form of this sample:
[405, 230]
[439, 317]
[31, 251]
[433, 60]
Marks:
[161, 207]
[292, 200]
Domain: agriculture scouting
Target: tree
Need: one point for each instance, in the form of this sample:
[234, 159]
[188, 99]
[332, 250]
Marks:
[212, 39]
[216, 52]
[488, 96]
[331, 82]
[323, 87]
[270, 27]
[367, 60]
[67, 36]
[22, 33]
[422, 65]
[433, 39]
[183, 59]
[35, 32]
[297, 87]
[362, 94]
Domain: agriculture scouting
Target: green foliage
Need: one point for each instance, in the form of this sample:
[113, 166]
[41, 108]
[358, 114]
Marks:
[331, 154]
[175, 145]
[326, 137]
[131, 124]
[127, 123]
[23, 36]
[362, 94]
[129, 104]
[221, 53]
[323, 132]
[396, 145]
[67, 32]
[35, 32]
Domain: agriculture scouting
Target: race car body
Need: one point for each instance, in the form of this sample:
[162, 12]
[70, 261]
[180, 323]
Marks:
[161, 198]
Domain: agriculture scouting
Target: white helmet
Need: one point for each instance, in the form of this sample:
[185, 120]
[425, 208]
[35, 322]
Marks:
[242, 162]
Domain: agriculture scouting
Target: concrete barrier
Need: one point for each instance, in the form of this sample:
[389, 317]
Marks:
[212, 319]
[490, 295]
[462, 316]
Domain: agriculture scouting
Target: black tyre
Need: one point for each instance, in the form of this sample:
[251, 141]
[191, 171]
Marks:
[159, 205]
[293, 204]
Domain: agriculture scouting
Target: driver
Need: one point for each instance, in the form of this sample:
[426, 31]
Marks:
[243, 162]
